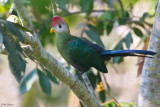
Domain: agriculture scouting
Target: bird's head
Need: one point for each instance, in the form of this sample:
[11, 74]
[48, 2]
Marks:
[59, 25]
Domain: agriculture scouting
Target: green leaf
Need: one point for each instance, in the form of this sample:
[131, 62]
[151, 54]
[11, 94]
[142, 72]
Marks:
[109, 27]
[139, 23]
[132, 104]
[62, 4]
[125, 104]
[22, 28]
[109, 15]
[40, 7]
[137, 32]
[17, 62]
[117, 59]
[102, 96]
[122, 21]
[51, 77]
[28, 81]
[149, 24]
[13, 29]
[108, 18]
[1, 41]
[127, 14]
[100, 28]
[145, 15]
[49, 74]
[94, 36]
[128, 40]
[112, 104]
[98, 77]
[86, 5]
[92, 79]
[44, 83]
[118, 47]
[14, 19]
[122, 104]
[91, 27]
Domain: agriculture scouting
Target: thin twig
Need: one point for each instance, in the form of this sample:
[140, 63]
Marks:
[87, 11]
[122, 8]
[11, 9]
[81, 35]
[23, 14]
[108, 93]
[115, 69]
[54, 7]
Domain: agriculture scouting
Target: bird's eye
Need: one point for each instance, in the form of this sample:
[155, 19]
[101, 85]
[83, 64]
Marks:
[60, 26]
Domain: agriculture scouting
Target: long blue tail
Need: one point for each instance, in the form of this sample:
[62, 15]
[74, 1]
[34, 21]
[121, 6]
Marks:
[114, 53]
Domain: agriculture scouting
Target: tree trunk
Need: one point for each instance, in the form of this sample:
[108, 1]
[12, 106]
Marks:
[149, 89]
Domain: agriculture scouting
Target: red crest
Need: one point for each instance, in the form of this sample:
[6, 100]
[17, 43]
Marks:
[57, 20]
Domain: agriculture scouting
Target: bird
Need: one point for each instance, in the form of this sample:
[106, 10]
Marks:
[82, 54]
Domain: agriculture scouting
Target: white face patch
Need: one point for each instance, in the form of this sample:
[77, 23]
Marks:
[59, 28]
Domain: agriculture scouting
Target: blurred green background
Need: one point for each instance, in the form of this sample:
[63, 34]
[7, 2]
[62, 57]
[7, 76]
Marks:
[113, 24]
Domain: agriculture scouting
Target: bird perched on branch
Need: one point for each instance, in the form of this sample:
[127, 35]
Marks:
[82, 54]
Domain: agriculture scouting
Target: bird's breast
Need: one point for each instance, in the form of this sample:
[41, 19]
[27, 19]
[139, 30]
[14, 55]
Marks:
[61, 44]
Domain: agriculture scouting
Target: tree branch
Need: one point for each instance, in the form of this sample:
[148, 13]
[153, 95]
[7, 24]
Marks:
[89, 85]
[88, 11]
[39, 54]
[43, 57]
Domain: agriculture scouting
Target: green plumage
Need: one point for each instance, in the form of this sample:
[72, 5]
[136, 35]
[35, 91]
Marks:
[77, 53]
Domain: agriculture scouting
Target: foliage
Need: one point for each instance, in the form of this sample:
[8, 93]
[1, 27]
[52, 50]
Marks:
[11, 36]
[93, 28]
[28, 81]
[44, 83]
[44, 80]
[122, 104]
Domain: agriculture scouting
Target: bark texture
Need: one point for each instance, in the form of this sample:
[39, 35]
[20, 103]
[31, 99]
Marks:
[149, 90]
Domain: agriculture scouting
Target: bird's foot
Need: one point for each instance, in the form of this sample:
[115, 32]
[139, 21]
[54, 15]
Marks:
[79, 75]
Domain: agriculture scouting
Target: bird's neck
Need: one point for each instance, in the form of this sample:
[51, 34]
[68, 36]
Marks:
[62, 39]
[62, 36]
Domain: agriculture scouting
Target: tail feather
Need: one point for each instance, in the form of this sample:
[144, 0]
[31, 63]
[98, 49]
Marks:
[139, 53]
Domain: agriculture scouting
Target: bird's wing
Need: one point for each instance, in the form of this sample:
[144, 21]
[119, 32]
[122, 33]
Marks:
[96, 47]
[84, 55]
